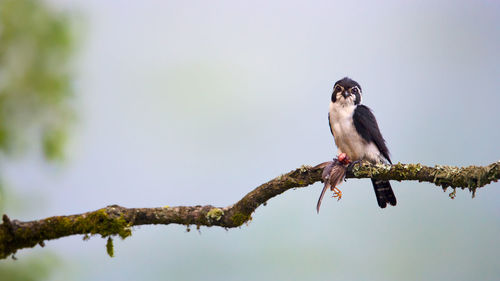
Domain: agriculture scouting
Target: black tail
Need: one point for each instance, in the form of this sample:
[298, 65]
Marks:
[384, 193]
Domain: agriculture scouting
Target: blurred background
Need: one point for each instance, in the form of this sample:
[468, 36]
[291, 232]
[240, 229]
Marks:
[153, 103]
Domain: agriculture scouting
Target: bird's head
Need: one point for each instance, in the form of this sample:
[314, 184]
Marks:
[346, 92]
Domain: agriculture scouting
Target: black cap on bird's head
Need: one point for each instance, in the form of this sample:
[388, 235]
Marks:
[347, 89]
[347, 83]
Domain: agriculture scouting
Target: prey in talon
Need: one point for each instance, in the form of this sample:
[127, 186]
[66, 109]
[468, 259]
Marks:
[344, 161]
[333, 174]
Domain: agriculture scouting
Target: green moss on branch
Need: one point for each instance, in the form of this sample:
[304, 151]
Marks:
[16, 235]
[116, 220]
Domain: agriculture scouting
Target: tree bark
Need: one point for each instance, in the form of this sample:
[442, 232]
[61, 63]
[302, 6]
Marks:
[116, 220]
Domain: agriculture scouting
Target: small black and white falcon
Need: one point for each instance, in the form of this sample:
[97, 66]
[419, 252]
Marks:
[356, 133]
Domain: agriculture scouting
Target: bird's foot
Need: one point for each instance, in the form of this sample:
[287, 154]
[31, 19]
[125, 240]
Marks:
[336, 193]
[353, 163]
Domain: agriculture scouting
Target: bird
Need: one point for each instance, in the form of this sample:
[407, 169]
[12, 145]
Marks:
[357, 135]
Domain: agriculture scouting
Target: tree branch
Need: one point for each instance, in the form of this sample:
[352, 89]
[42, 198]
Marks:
[116, 220]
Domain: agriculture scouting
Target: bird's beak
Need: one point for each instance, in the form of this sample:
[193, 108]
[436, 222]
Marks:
[345, 94]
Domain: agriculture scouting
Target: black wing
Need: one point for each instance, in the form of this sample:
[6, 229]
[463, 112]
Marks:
[367, 127]
[330, 124]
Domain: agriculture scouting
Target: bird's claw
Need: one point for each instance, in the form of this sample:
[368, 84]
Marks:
[351, 164]
[336, 193]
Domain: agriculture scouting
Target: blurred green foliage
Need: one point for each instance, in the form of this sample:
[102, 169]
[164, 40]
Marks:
[30, 269]
[35, 90]
[35, 98]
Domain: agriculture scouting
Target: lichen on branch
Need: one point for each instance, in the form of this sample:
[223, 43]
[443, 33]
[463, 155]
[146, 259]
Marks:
[117, 221]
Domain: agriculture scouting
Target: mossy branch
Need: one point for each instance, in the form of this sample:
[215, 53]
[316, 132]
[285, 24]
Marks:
[116, 220]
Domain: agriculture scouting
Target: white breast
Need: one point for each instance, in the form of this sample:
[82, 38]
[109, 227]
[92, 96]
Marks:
[346, 137]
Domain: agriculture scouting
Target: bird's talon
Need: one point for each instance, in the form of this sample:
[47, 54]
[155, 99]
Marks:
[337, 193]
[354, 163]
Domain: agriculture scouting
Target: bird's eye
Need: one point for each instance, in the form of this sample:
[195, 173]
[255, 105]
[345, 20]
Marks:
[337, 88]
[354, 90]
